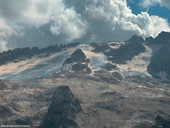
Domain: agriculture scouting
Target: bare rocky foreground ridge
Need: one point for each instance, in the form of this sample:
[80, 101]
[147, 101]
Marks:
[79, 100]
[101, 85]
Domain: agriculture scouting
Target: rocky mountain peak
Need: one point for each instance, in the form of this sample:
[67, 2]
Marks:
[63, 109]
[136, 39]
[148, 40]
[78, 62]
[78, 55]
[162, 39]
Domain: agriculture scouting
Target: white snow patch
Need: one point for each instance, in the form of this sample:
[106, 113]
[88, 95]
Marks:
[35, 67]
[40, 66]
[97, 60]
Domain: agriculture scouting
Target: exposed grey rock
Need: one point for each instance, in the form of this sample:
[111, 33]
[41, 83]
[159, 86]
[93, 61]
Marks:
[26, 121]
[159, 64]
[76, 56]
[133, 47]
[5, 111]
[2, 85]
[162, 38]
[140, 119]
[63, 109]
[117, 75]
[106, 77]
[19, 54]
[162, 122]
[112, 95]
[81, 67]
[149, 40]
[109, 66]
[101, 47]
[78, 62]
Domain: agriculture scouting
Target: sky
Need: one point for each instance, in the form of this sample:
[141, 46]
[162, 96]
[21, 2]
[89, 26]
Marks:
[29, 23]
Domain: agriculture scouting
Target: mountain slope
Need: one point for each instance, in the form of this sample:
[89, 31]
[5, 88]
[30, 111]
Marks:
[54, 59]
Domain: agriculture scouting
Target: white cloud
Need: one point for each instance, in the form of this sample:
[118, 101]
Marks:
[166, 3]
[65, 21]
[3, 45]
[5, 32]
[149, 3]
[69, 23]
[120, 16]
[78, 20]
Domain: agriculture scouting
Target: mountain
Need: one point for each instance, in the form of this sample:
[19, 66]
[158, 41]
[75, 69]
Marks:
[125, 51]
[159, 66]
[98, 85]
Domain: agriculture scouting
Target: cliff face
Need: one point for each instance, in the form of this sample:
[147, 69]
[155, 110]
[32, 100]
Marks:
[63, 109]
[160, 63]
[159, 66]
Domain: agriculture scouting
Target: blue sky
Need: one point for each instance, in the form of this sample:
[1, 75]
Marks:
[157, 9]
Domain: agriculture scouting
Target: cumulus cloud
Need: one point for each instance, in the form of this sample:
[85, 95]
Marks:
[5, 32]
[166, 3]
[45, 22]
[120, 16]
[35, 13]
[149, 3]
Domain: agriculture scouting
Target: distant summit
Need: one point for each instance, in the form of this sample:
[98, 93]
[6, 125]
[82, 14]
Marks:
[136, 39]
[162, 38]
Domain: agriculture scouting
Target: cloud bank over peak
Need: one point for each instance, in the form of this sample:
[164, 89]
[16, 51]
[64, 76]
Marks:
[120, 16]
[46, 22]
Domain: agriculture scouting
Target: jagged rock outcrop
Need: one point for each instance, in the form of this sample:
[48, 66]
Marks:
[117, 76]
[162, 122]
[81, 67]
[100, 47]
[77, 56]
[19, 54]
[78, 61]
[62, 111]
[109, 66]
[133, 47]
